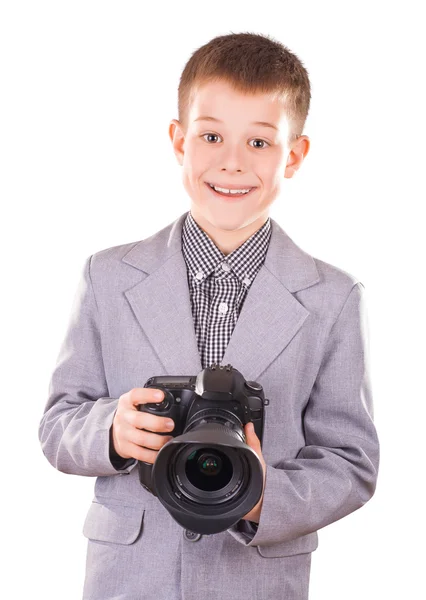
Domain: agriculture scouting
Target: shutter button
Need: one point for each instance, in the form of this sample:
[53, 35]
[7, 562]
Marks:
[191, 536]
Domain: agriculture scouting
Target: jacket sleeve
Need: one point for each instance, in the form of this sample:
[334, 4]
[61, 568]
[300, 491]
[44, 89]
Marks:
[335, 473]
[74, 431]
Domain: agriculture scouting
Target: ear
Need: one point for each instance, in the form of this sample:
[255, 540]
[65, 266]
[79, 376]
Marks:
[177, 137]
[299, 148]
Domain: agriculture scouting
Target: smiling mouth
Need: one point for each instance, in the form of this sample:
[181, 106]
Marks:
[230, 195]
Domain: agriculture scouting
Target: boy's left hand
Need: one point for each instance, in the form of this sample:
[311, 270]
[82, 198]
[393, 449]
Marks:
[253, 441]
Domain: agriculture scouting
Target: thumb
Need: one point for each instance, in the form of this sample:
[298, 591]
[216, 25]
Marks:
[251, 433]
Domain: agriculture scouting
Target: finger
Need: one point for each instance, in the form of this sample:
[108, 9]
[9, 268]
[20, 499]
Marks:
[147, 439]
[143, 420]
[139, 395]
[140, 453]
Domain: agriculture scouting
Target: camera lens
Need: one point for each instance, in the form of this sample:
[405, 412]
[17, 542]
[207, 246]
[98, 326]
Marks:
[208, 469]
[208, 464]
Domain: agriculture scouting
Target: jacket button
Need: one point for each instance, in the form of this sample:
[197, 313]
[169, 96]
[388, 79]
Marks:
[191, 536]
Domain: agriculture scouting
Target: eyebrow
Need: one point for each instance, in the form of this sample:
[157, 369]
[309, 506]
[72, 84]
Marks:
[263, 123]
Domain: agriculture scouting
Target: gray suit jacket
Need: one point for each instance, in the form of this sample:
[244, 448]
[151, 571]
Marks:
[302, 333]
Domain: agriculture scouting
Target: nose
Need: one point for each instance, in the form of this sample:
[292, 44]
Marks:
[232, 159]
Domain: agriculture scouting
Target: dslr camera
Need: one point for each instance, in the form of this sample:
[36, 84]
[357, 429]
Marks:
[207, 477]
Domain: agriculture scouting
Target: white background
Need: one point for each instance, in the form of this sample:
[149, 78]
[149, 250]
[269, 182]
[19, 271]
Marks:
[87, 93]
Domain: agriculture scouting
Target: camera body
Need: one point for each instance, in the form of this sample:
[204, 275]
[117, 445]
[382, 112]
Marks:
[207, 477]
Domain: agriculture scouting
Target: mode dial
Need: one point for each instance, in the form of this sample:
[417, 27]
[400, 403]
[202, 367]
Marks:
[253, 386]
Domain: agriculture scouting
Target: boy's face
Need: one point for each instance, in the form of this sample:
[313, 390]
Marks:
[234, 152]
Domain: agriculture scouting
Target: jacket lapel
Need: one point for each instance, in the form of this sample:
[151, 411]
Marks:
[269, 318]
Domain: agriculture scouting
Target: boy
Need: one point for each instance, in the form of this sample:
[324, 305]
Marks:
[223, 283]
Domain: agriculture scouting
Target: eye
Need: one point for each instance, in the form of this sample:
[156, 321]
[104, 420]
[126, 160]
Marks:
[210, 134]
[255, 140]
[259, 140]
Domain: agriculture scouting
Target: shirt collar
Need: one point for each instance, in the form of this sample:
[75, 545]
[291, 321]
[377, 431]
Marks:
[203, 256]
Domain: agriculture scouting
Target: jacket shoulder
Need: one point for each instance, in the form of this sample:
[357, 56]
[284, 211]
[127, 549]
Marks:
[108, 272]
[113, 254]
[335, 279]
[326, 299]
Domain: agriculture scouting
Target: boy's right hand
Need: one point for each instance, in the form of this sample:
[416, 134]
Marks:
[129, 427]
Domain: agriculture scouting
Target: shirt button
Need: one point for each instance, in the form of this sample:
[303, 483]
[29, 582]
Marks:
[223, 307]
[246, 281]
[199, 275]
[226, 267]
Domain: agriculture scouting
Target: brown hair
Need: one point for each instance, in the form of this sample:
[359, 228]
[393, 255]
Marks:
[251, 63]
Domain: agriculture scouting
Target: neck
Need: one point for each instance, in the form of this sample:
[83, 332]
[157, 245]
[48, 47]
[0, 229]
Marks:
[228, 240]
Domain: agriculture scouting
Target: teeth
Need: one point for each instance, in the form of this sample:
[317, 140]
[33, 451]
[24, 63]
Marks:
[225, 191]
